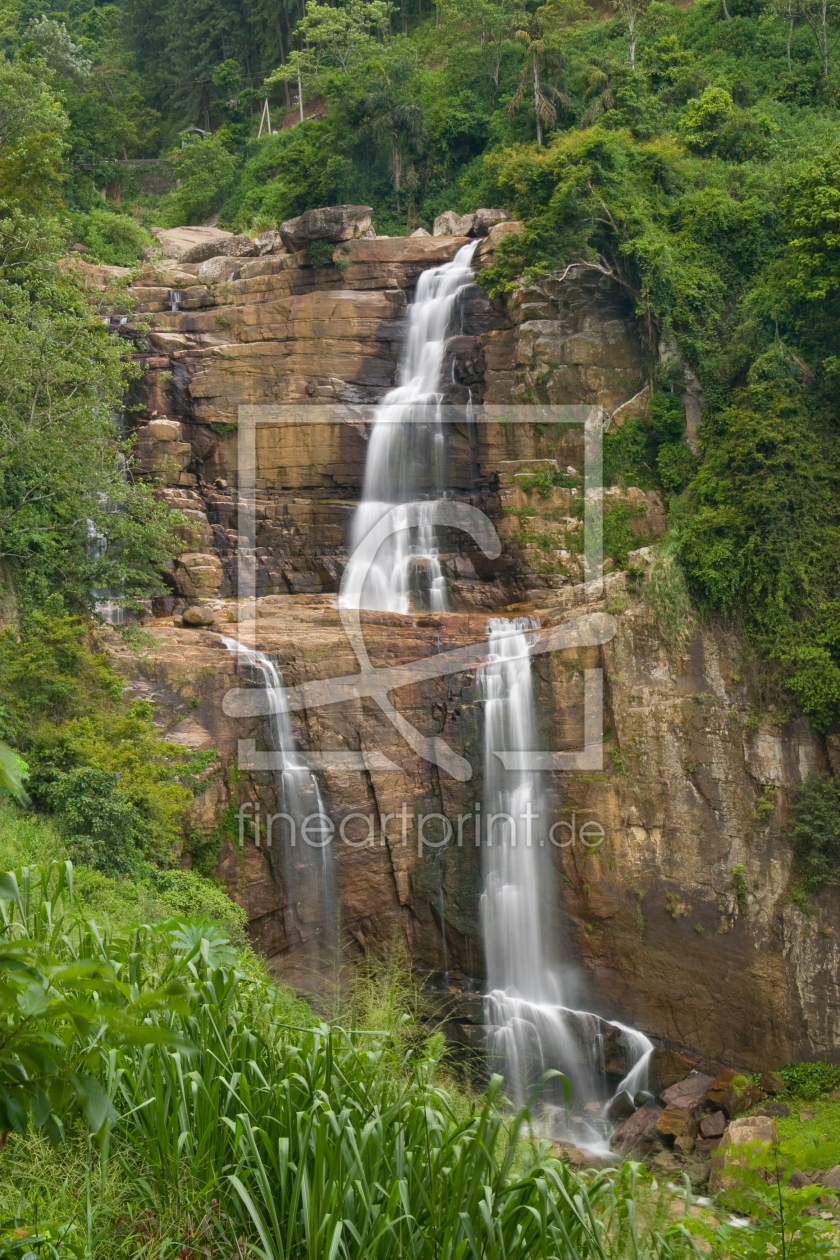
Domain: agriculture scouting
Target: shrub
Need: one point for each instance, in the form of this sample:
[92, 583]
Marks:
[206, 173]
[814, 830]
[115, 239]
[808, 1080]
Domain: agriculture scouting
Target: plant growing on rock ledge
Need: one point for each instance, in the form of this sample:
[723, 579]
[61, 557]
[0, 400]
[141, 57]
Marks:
[814, 832]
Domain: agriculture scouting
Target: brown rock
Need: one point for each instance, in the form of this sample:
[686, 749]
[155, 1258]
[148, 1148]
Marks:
[666, 1068]
[755, 1132]
[330, 223]
[199, 574]
[747, 1099]
[638, 1132]
[676, 1122]
[721, 1092]
[713, 1125]
[831, 1179]
[800, 1179]
[772, 1083]
[689, 1093]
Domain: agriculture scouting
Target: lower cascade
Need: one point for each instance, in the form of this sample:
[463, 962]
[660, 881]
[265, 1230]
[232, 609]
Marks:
[532, 1029]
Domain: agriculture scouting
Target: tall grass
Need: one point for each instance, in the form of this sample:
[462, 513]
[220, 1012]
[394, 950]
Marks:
[260, 1132]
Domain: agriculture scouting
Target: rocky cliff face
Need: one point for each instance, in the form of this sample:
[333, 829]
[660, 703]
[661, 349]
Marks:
[679, 920]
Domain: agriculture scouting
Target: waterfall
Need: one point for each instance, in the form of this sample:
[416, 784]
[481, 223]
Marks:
[307, 864]
[406, 459]
[532, 1027]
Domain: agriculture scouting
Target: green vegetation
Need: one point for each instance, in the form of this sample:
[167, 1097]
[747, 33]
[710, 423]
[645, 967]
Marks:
[196, 1105]
[95, 761]
[809, 1080]
[814, 830]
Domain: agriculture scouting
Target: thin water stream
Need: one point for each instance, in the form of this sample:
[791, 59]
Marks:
[307, 864]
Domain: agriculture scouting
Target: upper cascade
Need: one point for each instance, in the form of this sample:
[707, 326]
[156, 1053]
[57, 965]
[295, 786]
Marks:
[406, 458]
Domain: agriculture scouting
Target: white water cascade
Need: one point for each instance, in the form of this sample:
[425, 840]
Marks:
[533, 1026]
[307, 863]
[406, 459]
[533, 1029]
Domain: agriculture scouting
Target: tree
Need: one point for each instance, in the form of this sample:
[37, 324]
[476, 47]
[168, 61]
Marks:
[533, 34]
[484, 24]
[33, 129]
[815, 15]
[393, 119]
[58, 49]
[632, 11]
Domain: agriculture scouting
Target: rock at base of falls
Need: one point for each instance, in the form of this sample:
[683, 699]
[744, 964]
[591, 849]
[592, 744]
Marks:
[638, 1132]
[689, 1093]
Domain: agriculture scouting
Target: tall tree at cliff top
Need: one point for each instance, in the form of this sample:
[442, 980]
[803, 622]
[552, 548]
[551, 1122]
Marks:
[62, 476]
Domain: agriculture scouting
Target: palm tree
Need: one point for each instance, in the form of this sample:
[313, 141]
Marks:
[532, 35]
[392, 119]
[600, 91]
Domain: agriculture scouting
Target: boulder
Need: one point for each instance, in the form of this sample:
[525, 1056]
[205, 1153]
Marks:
[180, 241]
[757, 1132]
[747, 1099]
[772, 1083]
[714, 1125]
[777, 1110]
[638, 1132]
[689, 1093]
[451, 224]
[830, 1180]
[270, 242]
[197, 616]
[799, 1180]
[421, 232]
[721, 1092]
[484, 220]
[331, 223]
[232, 246]
[666, 1067]
[620, 1107]
[676, 1122]
[497, 234]
[215, 269]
